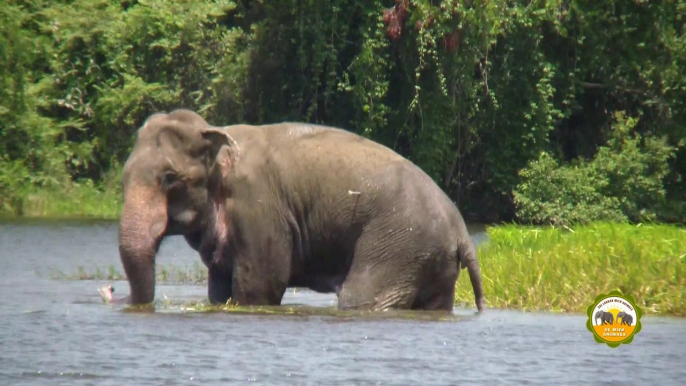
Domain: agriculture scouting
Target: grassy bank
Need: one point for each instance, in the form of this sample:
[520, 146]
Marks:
[74, 201]
[564, 270]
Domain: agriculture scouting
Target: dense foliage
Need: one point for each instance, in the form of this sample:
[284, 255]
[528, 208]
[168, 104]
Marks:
[547, 111]
[623, 182]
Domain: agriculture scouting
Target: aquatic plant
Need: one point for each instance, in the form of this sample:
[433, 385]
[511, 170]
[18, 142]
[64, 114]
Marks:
[170, 305]
[168, 274]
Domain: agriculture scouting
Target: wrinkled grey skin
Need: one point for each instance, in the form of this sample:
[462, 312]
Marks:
[605, 317]
[291, 204]
[626, 318]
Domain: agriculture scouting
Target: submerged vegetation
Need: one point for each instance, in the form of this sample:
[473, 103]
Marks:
[300, 310]
[565, 269]
[295, 310]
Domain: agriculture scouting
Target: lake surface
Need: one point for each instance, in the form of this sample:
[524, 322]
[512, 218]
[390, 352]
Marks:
[59, 332]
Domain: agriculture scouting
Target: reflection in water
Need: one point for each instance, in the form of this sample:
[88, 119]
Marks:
[57, 332]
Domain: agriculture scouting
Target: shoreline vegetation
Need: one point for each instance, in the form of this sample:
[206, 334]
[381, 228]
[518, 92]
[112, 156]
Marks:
[563, 270]
[533, 268]
[74, 202]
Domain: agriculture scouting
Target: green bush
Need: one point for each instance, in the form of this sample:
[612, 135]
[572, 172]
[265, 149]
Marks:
[623, 181]
[635, 167]
[77, 78]
[14, 186]
[113, 66]
[554, 194]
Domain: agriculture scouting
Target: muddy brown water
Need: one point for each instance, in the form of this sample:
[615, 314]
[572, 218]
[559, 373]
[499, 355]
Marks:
[57, 332]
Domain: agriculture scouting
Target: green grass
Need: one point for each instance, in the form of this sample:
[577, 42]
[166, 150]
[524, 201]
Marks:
[168, 274]
[75, 201]
[553, 269]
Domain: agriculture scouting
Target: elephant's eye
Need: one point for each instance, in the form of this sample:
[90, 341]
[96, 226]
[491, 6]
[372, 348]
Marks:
[169, 178]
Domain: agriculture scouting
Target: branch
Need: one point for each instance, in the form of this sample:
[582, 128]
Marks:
[643, 93]
[591, 86]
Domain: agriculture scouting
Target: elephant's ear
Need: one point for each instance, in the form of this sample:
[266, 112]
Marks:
[176, 132]
[222, 150]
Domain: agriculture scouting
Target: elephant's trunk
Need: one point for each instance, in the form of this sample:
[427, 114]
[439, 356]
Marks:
[142, 226]
[469, 260]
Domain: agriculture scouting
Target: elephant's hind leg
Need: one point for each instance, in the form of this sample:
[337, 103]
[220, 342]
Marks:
[379, 277]
[352, 296]
[442, 299]
[437, 286]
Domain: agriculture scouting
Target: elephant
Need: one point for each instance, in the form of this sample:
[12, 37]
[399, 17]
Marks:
[626, 318]
[605, 317]
[291, 205]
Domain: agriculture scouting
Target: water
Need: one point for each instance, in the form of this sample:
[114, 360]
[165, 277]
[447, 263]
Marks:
[56, 332]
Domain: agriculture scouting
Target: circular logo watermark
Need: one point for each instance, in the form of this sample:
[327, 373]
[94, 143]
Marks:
[614, 319]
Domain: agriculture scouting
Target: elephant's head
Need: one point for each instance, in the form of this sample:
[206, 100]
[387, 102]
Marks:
[165, 183]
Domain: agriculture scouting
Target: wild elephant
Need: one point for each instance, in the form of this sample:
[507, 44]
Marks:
[291, 204]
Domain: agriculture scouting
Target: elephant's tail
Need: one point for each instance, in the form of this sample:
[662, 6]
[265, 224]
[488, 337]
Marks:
[466, 258]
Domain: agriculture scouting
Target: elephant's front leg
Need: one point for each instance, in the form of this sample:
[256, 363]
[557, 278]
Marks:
[260, 277]
[252, 289]
[219, 285]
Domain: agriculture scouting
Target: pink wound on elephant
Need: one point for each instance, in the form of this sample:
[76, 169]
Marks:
[221, 231]
[221, 227]
[224, 160]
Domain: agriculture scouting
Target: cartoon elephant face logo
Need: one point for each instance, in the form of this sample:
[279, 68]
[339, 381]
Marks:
[614, 319]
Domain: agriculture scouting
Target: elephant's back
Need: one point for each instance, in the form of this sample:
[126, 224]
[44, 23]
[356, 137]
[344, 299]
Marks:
[301, 136]
[345, 155]
[337, 160]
